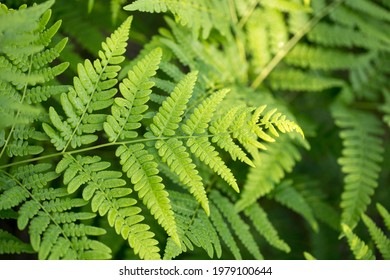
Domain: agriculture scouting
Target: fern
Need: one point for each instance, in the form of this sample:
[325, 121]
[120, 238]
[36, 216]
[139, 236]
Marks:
[260, 220]
[92, 91]
[185, 135]
[196, 15]
[53, 224]
[288, 196]
[270, 167]
[194, 226]
[24, 72]
[12, 245]
[362, 154]
[382, 242]
[358, 247]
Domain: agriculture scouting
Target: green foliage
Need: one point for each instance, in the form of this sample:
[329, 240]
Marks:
[381, 241]
[237, 129]
[360, 161]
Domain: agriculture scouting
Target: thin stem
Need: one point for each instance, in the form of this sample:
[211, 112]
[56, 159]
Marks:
[293, 41]
[247, 15]
[96, 148]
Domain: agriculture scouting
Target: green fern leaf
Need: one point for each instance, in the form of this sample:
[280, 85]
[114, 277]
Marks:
[140, 167]
[138, 164]
[342, 36]
[381, 241]
[200, 15]
[362, 154]
[240, 228]
[385, 215]
[370, 8]
[197, 123]
[23, 23]
[194, 228]
[203, 150]
[260, 220]
[174, 154]
[365, 23]
[309, 256]
[324, 59]
[24, 73]
[360, 250]
[287, 195]
[271, 167]
[297, 80]
[105, 190]
[10, 244]
[170, 114]
[41, 210]
[127, 112]
[226, 235]
[92, 91]
[224, 140]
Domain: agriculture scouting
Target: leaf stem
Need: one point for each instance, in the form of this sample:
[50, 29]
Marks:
[94, 148]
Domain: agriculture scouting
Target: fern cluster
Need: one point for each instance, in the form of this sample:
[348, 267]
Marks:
[239, 127]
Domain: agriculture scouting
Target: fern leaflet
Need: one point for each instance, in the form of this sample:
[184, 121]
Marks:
[92, 91]
[362, 154]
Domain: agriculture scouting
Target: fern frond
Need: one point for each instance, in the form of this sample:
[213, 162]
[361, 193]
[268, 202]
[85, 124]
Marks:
[381, 241]
[44, 213]
[366, 24]
[224, 140]
[201, 15]
[270, 168]
[384, 214]
[197, 123]
[317, 201]
[141, 168]
[170, 114]
[88, 34]
[240, 228]
[194, 228]
[271, 120]
[297, 80]
[127, 112]
[116, 6]
[370, 8]
[309, 256]
[17, 28]
[203, 150]
[173, 152]
[342, 36]
[360, 161]
[224, 232]
[360, 250]
[25, 73]
[306, 56]
[278, 35]
[104, 188]
[13, 113]
[92, 91]
[259, 218]
[368, 81]
[10, 244]
[256, 33]
[287, 195]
